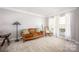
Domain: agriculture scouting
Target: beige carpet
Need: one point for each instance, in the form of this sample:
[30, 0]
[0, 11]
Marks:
[44, 44]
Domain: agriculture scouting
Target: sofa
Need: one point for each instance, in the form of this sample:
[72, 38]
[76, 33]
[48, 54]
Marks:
[31, 33]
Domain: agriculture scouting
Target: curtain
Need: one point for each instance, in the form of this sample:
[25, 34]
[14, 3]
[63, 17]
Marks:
[54, 25]
[68, 26]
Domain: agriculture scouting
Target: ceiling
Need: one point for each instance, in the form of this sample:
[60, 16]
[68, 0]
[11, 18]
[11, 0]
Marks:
[43, 11]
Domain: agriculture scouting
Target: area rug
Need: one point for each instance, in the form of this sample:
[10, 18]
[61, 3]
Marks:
[44, 44]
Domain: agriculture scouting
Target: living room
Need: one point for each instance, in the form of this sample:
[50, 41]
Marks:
[57, 23]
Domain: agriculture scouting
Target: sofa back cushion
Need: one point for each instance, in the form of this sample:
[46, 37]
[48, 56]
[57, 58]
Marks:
[38, 30]
[25, 31]
[32, 30]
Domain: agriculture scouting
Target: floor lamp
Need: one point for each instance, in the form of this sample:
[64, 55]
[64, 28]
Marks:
[16, 24]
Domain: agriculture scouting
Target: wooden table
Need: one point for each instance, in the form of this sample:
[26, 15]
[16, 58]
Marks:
[5, 37]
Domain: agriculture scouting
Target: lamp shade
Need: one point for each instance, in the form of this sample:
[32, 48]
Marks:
[16, 23]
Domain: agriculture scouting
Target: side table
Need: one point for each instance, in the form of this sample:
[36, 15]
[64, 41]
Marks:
[6, 37]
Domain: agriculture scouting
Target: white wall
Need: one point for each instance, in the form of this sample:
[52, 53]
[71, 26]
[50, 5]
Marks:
[7, 17]
[75, 25]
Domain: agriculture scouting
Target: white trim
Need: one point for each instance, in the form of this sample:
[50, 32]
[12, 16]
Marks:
[36, 14]
[24, 12]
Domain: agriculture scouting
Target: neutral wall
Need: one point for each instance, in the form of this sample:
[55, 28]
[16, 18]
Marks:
[7, 18]
[75, 25]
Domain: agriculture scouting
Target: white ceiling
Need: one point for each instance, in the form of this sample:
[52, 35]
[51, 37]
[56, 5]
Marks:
[44, 11]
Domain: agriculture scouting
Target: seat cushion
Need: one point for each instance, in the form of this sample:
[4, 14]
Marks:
[27, 35]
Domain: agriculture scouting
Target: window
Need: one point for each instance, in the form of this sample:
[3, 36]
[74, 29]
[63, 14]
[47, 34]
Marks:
[60, 25]
[62, 22]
